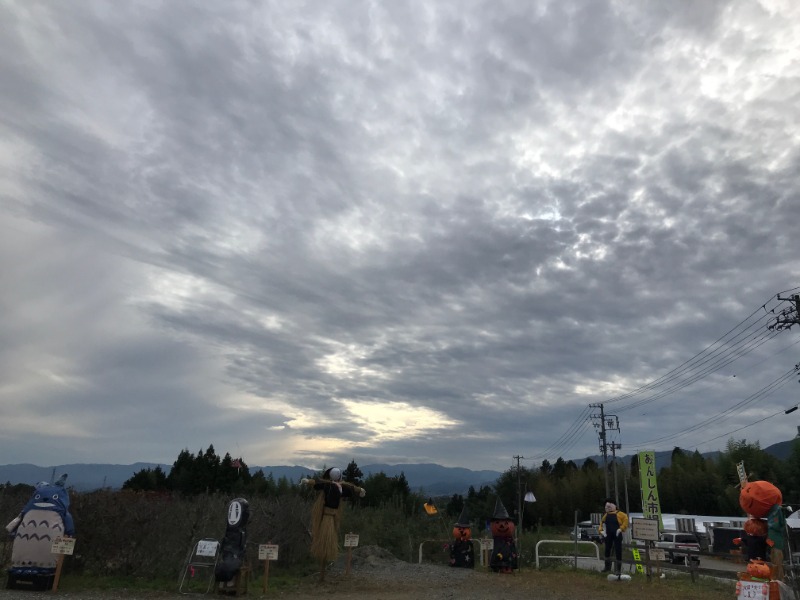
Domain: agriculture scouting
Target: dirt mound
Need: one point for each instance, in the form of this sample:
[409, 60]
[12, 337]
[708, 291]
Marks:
[374, 556]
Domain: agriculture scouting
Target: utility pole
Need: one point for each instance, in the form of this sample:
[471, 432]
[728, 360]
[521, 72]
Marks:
[614, 447]
[788, 316]
[519, 506]
[519, 496]
[606, 423]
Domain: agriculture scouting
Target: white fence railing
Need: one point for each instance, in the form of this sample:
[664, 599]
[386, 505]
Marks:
[566, 556]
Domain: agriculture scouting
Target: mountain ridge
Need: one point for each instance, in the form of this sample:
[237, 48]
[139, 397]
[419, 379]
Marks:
[429, 478]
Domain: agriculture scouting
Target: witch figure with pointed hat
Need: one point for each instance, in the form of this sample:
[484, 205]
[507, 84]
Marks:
[504, 552]
[462, 552]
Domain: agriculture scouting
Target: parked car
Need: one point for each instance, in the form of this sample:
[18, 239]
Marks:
[673, 541]
[586, 532]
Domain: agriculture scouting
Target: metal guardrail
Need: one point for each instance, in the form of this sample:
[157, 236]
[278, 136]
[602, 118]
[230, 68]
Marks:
[563, 556]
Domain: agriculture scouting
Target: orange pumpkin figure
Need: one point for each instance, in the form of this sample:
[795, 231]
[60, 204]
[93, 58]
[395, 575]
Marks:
[760, 569]
[761, 499]
[758, 497]
[504, 552]
[756, 527]
[462, 554]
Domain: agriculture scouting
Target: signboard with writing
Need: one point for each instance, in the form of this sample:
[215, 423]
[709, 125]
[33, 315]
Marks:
[651, 505]
[752, 590]
[268, 552]
[741, 473]
[207, 548]
[487, 543]
[645, 529]
[350, 540]
[63, 546]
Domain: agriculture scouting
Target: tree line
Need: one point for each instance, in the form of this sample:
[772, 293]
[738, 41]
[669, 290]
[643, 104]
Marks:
[691, 484]
[207, 473]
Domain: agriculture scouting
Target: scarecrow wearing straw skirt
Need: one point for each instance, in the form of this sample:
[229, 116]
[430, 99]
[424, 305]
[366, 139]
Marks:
[326, 514]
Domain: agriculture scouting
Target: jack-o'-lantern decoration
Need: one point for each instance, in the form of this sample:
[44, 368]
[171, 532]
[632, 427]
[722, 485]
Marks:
[462, 553]
[758, 497]
[504, 553]
[462, 533]
[756, 527]
[760, 569]
[503, 528]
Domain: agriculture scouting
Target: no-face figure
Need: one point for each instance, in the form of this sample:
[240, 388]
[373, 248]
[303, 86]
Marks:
[234, 543]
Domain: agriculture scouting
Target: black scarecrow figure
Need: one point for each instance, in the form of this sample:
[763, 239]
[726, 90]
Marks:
[504, 552]
[462, 552]
[233, 544]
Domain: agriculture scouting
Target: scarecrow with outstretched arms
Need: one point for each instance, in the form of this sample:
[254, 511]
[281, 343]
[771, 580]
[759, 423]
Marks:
[326, 514]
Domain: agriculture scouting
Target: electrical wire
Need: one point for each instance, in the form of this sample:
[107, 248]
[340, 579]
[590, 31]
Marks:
[759, 395]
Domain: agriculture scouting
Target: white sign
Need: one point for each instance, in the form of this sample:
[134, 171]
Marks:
[645, 529]
[63, 546]
[207, 547]
[658, 554]
[487, 543]
[268, 552]
[742, 474]
[752, 590]
[350, 540]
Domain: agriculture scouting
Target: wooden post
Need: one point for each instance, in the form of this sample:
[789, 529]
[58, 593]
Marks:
[59, 564]
[349, 559]
[266, 575]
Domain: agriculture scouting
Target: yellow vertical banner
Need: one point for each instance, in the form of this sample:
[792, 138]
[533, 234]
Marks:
[651, 505]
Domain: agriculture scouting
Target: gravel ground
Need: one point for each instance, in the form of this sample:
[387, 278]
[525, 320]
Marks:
[377, 575]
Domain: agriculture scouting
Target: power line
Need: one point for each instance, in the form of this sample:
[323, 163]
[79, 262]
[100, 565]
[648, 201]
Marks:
[689, 364]
[762, 393]
[736, 343]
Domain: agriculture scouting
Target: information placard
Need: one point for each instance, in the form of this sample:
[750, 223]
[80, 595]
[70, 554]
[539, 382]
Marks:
[207, 547]
[645, 529]
[268, 552]
[752, 590]
[350, 540]
[487, 543]
[63, 546]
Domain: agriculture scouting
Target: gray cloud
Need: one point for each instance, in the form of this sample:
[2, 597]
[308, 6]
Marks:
[397, 233]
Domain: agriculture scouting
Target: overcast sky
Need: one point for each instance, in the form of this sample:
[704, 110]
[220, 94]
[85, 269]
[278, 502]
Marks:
[401, 232]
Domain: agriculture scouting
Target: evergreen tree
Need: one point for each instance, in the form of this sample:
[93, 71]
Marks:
[352, 474]
[147, 480]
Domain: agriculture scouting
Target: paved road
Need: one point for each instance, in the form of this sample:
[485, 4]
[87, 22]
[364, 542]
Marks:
[709, 565]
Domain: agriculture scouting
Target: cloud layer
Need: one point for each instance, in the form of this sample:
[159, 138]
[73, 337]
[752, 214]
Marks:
[316, 232]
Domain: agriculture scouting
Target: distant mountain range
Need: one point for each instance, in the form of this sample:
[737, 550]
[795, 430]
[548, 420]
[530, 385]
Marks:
[431, 479]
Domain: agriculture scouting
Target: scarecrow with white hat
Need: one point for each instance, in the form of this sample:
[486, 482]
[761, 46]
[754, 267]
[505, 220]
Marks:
[326, 514]
[613, 525]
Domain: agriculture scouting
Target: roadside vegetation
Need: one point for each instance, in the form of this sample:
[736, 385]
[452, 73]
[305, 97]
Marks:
[145, 531]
